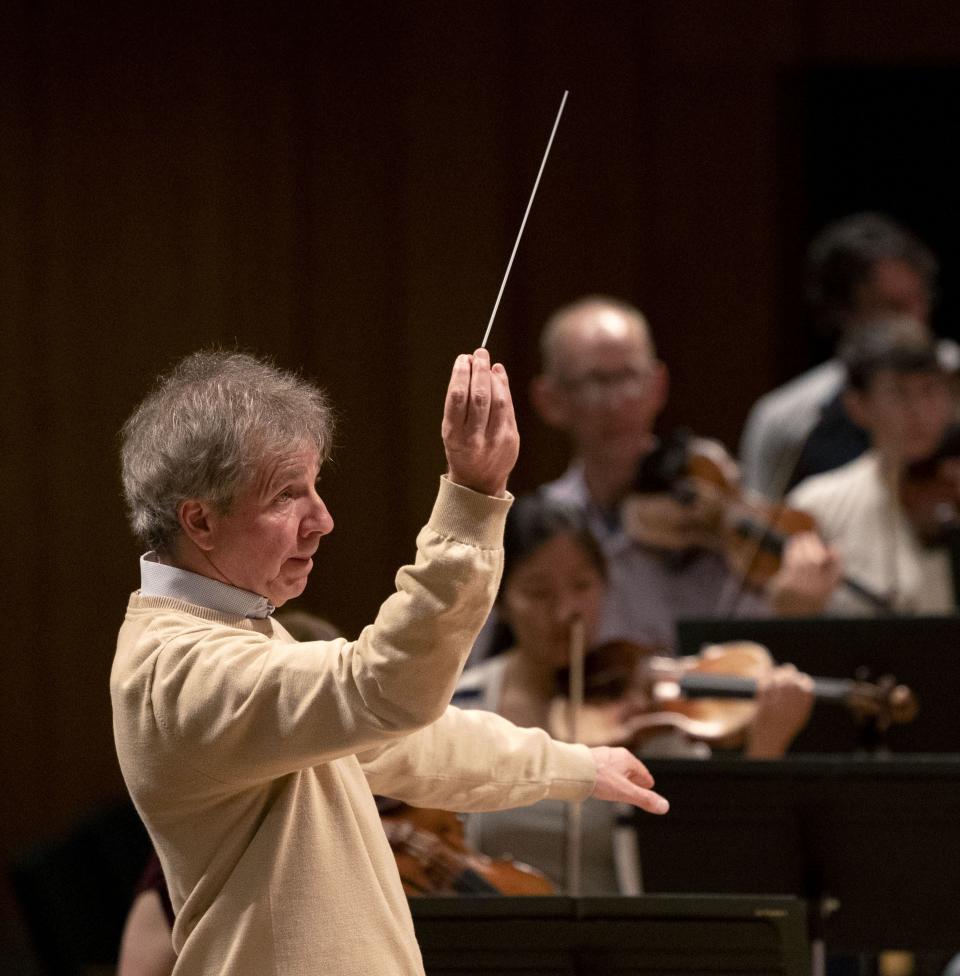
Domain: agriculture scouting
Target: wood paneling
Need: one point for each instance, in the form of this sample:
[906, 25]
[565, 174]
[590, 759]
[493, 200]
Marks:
[340, 185]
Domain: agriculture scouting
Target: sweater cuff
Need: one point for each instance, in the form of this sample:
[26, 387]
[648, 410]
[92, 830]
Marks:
[469, 517]
[574, 772]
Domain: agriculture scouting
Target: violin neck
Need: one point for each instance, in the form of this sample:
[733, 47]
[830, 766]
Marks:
[763, 535]
[771, 540]
[733, 686]
[470, 882]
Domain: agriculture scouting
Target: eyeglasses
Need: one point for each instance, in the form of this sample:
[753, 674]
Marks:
[598, 386]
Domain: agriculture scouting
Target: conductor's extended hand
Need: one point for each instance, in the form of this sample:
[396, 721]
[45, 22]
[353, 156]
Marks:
[622, 778]
[479, 429]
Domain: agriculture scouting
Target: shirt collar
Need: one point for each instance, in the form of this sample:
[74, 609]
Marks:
[159, 579]
[571, 489]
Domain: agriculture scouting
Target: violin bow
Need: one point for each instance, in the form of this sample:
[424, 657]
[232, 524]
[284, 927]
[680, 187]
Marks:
[573, 848]
[523, 223]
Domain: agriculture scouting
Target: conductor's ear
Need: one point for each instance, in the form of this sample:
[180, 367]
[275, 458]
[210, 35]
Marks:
[197, 523]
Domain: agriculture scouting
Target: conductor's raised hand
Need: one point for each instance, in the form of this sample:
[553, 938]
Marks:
[479, 428]
[622, 778]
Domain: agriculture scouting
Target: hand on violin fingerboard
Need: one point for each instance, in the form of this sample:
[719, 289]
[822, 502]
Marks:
[622, 778]
[479, 428]
[784, 702]
[659, 520]
[808, 575]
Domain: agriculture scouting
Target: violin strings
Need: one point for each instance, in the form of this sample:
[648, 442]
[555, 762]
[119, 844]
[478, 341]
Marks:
[523, 223]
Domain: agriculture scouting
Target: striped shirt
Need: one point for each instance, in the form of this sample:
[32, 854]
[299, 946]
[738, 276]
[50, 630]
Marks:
[160, 579]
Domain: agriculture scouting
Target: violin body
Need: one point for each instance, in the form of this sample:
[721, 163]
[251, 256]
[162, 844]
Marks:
[433, 858]
[929, 492]
[632, 695]
[630, 699]
[707, 508]
[687, 495]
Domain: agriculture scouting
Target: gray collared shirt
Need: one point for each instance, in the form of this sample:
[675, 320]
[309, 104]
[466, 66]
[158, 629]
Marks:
[159, 579]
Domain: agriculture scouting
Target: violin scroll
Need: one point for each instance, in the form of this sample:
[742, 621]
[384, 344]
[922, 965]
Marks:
[884, 702]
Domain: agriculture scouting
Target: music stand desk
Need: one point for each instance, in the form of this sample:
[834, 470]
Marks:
[559, 936]
[872, 843]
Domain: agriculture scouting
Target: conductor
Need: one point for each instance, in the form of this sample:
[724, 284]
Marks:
[252, 758]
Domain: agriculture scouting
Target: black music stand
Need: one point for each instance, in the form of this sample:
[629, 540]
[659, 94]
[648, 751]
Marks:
[873, 844]
[558, 936]
[921, 652]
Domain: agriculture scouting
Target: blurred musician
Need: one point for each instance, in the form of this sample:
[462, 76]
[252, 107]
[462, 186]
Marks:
[892, 512]
[602, 384]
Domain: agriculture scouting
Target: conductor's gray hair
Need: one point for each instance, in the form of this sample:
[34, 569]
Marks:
[205, 431]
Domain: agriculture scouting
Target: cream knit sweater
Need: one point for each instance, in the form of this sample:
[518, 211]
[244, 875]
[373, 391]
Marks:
[252, 759]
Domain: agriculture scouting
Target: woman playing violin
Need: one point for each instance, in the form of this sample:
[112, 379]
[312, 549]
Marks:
[892, 513]
[554, 574]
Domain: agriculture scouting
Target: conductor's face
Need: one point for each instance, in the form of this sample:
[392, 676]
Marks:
[264, 544]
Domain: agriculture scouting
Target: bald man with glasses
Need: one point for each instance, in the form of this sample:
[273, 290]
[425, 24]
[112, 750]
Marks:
[603, 386]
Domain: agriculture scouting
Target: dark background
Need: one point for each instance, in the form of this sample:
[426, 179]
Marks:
[340, 185]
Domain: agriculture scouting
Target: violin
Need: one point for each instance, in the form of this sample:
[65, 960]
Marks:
[632, 694]
[433, 858]
[699, 475]
[929, 491]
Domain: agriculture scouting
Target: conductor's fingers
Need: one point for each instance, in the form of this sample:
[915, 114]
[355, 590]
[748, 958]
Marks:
[636, 772]
[478, 405]
[621, 777]
[458, 393]
[645, 799]
[501, 403]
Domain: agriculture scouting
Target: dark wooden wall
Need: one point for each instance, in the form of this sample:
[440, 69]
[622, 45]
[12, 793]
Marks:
[339, 185]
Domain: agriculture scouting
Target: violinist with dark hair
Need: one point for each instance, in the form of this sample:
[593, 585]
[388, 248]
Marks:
[892, 512]
[603, 385]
